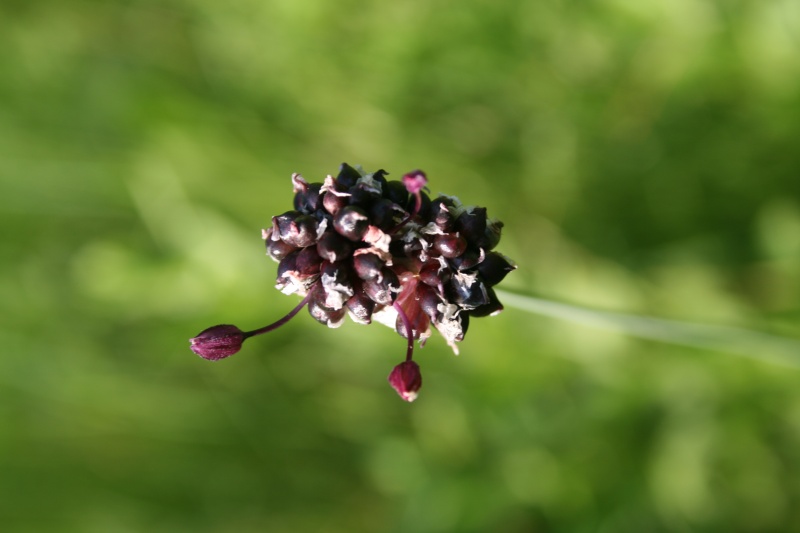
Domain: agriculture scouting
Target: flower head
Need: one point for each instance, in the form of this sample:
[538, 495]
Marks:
[360, 245]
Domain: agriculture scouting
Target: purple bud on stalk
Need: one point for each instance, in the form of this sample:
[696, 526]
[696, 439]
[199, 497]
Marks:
[415, 181]
[218, 342]
[406, 379]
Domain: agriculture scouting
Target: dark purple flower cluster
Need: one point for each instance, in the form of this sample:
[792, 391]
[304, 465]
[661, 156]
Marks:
[382, 250]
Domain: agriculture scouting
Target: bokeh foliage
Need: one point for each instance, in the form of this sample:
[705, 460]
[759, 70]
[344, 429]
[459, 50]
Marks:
[643, 155]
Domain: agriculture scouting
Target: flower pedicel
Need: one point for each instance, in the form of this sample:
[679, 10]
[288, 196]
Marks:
[381, 250]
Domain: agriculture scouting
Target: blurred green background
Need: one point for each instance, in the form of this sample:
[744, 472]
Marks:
[643, 155]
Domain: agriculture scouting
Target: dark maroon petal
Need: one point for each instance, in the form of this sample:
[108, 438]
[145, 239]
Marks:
[472, 224]
[433, 274]
[492, 235]
[333, 203]
[308, 262]
[360, 306]
[424, 212]
[362, 197]
[471, 257]
[490, 308]
[429, 300]
[303, 232]
[333, 247]
[368, 266]
[412, 248]
[450, 245]
[385, 291]
[348, 176]
[351, 222]
[298, 271]
[277, 250]
[282, 224]
[336, 284]
[288, 264]
[295, 229]
[440, 213]
[494, 268]
[408, 301]
[382, 214]
[218, 342]
[396, 192]
[420, 322]
[308, 200]
[333, 318]
[467, 291]
[464, 319]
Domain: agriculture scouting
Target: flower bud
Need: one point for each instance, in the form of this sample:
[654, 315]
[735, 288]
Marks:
[494, 268]
[440, 213]
[383, 290]
[334, 202]
[348, 176]
[432, 273]
[307, 197]
[424, 210]
[336, 284]
[467, 291]
[429, 300]
[333, 247]
[406, 379]
[396, 192]
[333, 318]
[218, 342]
[494, 229]
[470, 258]
[278, 250]
[351, 222]
[450, 245]
[415, 181]
[363, 197]
[472, 224]
[282, 224]
[360, 306]
[308, 262]
[295, 229]
[490, 308]
[368, 266]
[382, 214]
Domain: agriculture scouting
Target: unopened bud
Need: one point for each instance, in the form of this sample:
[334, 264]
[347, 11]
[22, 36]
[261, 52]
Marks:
[450, 245]
[218, 342]
[415, 181]
[351, 222]
[406, 379]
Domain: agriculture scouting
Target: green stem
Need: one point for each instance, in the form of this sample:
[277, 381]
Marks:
[749, 343]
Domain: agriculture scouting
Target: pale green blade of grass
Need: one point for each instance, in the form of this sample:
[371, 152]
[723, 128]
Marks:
[740, 341]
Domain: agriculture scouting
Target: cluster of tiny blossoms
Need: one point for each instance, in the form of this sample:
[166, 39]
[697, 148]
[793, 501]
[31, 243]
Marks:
[382, 250]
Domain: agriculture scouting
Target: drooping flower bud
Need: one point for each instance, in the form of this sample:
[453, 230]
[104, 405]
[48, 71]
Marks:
[218, 342]
[406, 379]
